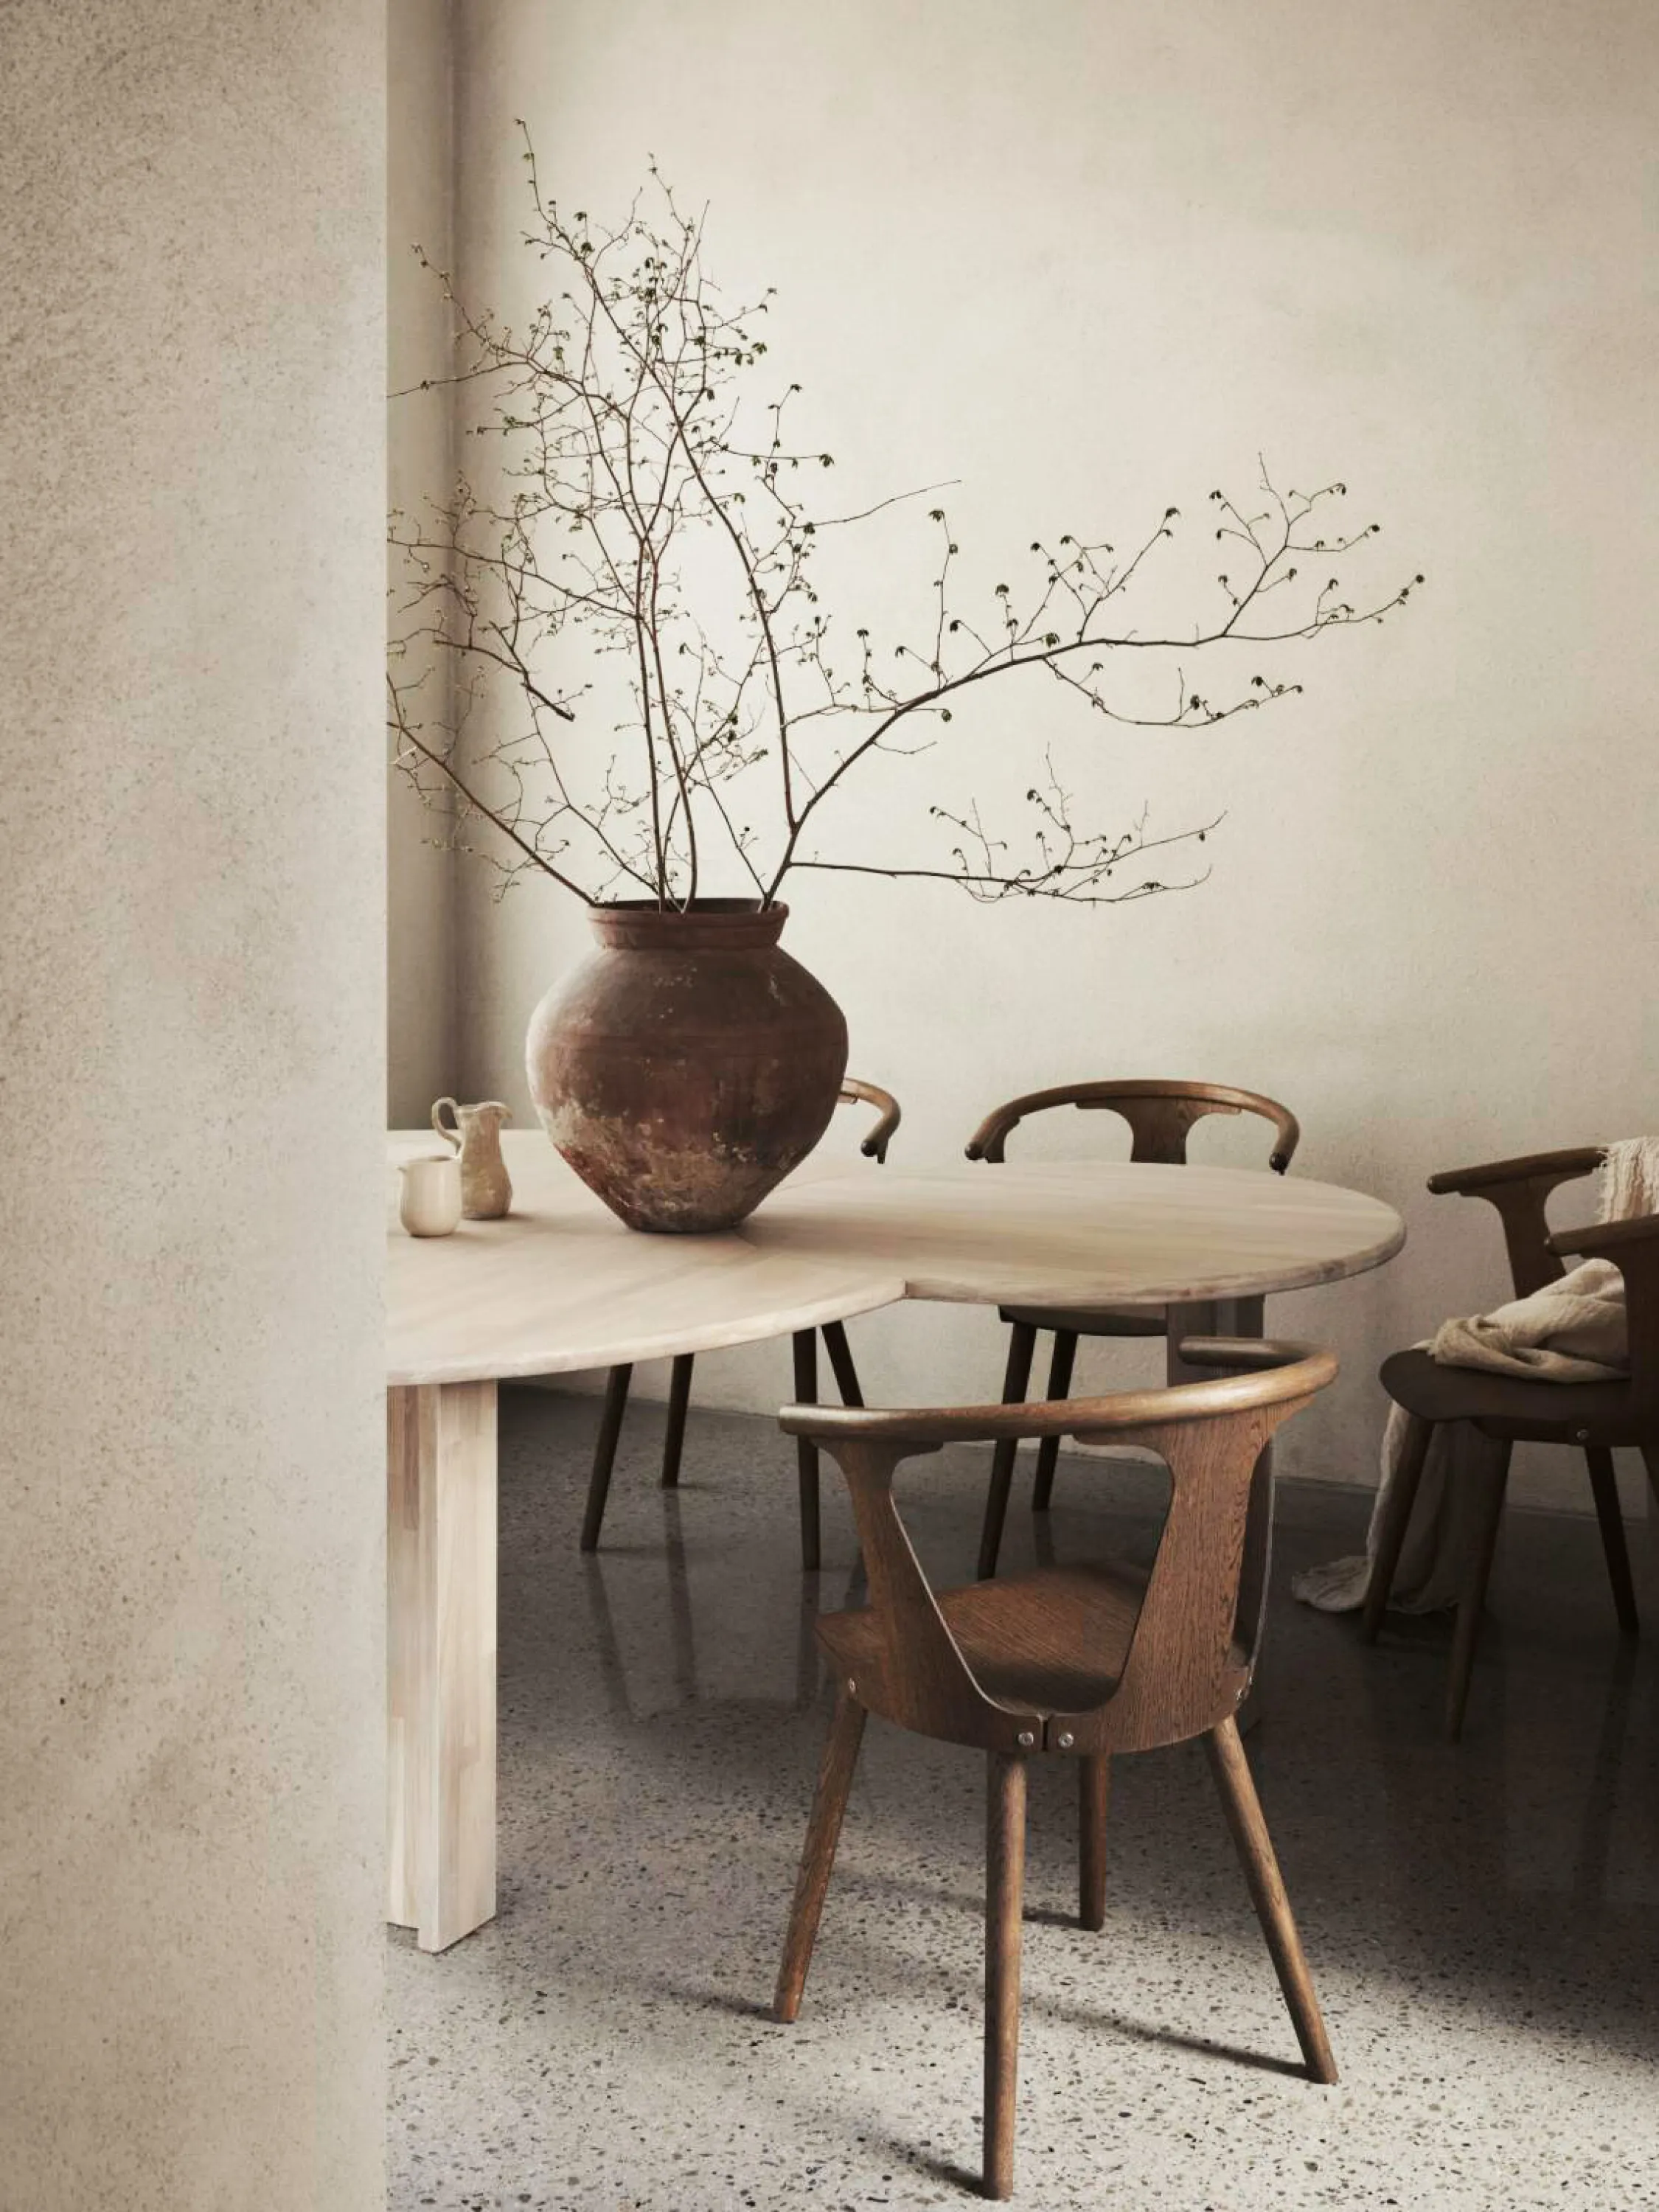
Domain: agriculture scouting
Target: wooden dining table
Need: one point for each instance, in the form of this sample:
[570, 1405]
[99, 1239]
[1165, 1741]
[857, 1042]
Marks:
[559, 1286]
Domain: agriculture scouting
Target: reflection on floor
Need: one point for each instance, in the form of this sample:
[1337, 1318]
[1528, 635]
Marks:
[1482, 1922]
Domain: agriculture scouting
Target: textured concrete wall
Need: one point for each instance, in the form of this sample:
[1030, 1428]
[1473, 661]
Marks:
[1091, 259]
[191, 909]
[421, 1018]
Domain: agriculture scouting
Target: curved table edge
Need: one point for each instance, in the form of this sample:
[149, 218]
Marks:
[942, 1290]
[664, 1344]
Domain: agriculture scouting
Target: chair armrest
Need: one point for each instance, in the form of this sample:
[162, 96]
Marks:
[1149, 1106]
[1607, 1240]
[1242, 1355]
[987, 1140]
[1282, 1370]
[1560, 1167]
[854, 1093]
[1518, 1190]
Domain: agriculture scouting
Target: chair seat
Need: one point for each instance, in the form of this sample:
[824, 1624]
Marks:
[1509, 1407]
[1091, 1320]
[1051, 1641]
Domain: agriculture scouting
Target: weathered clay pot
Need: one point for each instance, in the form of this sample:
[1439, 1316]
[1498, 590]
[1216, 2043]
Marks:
[688, 1064]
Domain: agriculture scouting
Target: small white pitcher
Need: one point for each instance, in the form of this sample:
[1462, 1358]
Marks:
[429, 1202]
[486, 1189]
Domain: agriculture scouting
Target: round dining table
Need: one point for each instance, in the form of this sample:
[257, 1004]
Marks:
[558, 1285]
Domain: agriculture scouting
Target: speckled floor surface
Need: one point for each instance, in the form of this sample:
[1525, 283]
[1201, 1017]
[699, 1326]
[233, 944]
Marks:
[1482, 1923]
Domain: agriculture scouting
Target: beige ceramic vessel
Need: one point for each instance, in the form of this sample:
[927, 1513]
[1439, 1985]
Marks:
[429, 1202]
[476, 1130]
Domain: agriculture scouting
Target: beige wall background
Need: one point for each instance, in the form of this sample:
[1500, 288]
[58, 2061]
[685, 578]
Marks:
[192, 909]
[422, 892]
[1091, 259]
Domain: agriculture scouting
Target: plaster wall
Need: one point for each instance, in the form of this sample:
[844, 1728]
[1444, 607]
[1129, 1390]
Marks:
[420, 469]
[193, 910]
[1088, 261]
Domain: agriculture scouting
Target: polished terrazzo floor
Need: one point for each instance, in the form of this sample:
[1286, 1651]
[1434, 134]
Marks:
[1482, 1922]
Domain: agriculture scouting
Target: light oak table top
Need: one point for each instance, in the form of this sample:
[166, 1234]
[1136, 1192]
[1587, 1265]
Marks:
[561, 1284]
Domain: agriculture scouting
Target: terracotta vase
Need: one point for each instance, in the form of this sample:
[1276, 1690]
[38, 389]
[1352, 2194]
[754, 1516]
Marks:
[688, 1063]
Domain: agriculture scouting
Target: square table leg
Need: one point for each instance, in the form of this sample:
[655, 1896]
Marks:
[441, 1658]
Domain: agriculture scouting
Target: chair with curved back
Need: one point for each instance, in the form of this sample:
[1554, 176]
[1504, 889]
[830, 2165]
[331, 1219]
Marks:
[1594, 1416]
[1159, 1112]
[1079, 1661]
[874, 1147]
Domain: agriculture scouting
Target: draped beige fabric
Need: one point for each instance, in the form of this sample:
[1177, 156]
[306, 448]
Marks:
[1570, 1331]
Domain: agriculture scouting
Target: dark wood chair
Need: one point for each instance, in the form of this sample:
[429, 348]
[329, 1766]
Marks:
[1077, 1661]
[1595, 1416]
[1159, 1113]
[874, 1147]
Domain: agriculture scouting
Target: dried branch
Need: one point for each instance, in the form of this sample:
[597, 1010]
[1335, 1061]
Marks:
[621, 419]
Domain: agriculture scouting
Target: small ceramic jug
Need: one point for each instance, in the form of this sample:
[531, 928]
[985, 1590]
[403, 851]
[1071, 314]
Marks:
[475, 1132]
[429, 1202]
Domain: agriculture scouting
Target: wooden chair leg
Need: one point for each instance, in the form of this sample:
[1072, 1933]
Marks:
[1005, 1886]
[1060, 1386]
[1396, 1518]
[1484, 1531]
[1094, 1781]
[841, 1362]
[1604, 1488]
[1272, 1908]
[835, 1770]
[1022, 1343]
[806, 1452]
[605, 1454]
[679, 1397]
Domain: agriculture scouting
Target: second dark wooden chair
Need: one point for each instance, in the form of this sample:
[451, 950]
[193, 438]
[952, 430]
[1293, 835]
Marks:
[804, 1342]
[1594, 1416]
[1160, 1111]
[1077, 1661]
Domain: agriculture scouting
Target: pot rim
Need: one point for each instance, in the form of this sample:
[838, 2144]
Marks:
[696, 909]
[704, 926]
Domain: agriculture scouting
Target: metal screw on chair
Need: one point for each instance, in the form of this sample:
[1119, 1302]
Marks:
[852, 1689]
[1025, 1739]
[1067, 1740]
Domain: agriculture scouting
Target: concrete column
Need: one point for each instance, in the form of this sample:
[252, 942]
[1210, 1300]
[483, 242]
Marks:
[191, 1010]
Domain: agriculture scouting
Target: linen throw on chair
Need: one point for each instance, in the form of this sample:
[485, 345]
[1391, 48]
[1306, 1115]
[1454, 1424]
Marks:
[1570, 1331]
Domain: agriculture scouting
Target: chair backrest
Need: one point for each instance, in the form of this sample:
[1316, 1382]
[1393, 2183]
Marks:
[1519, 1190]
[1202, 1602]
[1159, 1112]
[854, 1093]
